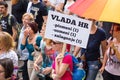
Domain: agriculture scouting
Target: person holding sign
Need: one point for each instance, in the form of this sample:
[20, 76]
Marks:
[62, 63]
[111, 61]
[92, 51]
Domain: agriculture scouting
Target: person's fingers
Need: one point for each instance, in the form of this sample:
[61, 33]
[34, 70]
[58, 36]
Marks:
[36, 67]
[101, 70]
[44, 72]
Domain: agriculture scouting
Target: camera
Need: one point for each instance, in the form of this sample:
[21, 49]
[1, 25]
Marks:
[40, 75]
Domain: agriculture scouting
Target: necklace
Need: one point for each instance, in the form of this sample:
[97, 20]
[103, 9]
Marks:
[30, 38]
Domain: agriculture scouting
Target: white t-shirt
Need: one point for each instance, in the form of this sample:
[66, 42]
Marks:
[113, 64]
[12, 55]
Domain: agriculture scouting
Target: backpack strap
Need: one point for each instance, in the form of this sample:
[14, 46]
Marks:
[9, 19]
[0, 17]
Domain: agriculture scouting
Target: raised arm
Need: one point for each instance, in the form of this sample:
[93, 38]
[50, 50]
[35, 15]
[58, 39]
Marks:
[76, 50]
[60, 68]
[24, 39]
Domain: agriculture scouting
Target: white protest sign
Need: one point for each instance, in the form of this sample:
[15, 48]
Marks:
[68, 29]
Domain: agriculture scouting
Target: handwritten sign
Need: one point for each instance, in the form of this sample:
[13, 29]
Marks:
[68, 29]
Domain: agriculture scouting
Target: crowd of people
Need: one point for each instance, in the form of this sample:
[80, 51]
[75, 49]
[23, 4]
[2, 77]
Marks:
[22, 38]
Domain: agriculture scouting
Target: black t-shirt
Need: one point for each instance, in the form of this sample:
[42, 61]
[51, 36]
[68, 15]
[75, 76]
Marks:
[39, 10]
[19, 9]
[92, 52]
[7, 23]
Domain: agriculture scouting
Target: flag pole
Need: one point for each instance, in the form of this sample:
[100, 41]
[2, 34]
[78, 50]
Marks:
[64, 48]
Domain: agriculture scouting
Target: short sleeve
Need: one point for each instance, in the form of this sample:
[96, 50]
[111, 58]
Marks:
[38, 40]
[13, 20]
[103, 34]
[43, 9]
[67, 59]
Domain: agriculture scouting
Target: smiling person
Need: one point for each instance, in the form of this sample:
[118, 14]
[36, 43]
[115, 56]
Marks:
[26, 18]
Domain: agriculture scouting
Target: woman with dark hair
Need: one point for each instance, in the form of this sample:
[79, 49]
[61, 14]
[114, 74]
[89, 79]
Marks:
[26, 18]
[31, 41]
[6, 69]
[33, 26]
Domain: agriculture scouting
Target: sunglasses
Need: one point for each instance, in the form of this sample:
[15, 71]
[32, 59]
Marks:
[56, 42]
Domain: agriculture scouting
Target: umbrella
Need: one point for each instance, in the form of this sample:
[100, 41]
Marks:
[101, 10]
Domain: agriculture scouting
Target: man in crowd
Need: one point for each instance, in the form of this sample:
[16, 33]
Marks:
[39, 10]
[7, 21]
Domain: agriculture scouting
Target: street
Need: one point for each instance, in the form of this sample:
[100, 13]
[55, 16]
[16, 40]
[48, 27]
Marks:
[99, 77]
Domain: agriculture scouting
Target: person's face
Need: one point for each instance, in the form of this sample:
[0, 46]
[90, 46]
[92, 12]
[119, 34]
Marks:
[2, 73]
[30, 31]
[26, 20]
[3, 10]
[56, 46]
[116, 32]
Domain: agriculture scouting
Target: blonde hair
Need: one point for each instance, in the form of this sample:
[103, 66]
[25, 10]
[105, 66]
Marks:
[6, 41]
[30, 16]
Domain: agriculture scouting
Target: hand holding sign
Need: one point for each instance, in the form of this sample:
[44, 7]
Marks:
[68, 29]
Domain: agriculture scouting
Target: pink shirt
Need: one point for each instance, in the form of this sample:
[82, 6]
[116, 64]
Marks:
[66, 60]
